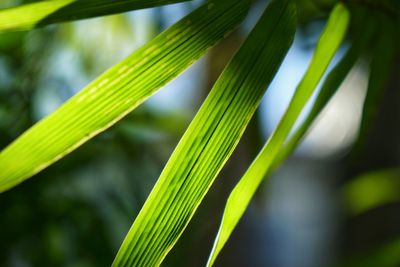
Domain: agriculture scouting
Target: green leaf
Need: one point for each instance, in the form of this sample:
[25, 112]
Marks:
[29, 16]
[360, 42]
[118, 91]
[383, 57]
[241, 195]
[209, 140]
[371, 190]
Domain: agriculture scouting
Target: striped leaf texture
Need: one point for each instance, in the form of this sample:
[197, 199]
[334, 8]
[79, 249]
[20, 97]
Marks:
[241, 195]
[118, 91]
[209, 140]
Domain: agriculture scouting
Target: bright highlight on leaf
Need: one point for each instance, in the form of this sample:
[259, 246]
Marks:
[42, 13]
[241, 195]
[209, 140]
[118, 91]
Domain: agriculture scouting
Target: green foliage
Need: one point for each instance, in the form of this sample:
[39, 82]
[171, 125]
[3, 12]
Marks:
[241, 195]
[219, 125]
[117, 92]
[209, 140]
[329, 87]
[384, 54]
[371, 190]
[29, 16]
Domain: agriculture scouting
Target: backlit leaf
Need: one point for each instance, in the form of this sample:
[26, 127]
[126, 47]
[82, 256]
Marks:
[42, 13]
[241, 195]
[118, 91]
[209, 140]
[330, 86]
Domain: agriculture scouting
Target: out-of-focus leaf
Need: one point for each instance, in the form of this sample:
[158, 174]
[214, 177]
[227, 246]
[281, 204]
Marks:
[384, 54]
[209, 140]
[42, 13]
[118, 91]
[371, 190]
[241, 195]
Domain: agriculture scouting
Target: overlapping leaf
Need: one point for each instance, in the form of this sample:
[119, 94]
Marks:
[330, 86]
[209, 140]
[118, 91]
[241, 195]
[42, 13]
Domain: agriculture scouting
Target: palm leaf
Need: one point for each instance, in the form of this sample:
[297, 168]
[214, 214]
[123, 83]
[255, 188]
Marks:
[241, 195]
[330, 86]
[118, 91]
[42, 13]
[209, 140]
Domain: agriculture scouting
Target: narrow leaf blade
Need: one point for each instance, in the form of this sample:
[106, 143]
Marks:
[29, 16]
[241, 195]
[209, 141]
[118, 91]
[330, 86]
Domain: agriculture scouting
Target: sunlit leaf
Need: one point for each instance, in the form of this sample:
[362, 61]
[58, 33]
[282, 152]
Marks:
[42, 13]
[330, 86]
[241, 195]
[209, 140]
[118, 91]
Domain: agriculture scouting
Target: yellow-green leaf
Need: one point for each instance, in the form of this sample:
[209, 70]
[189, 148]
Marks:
[371, 190]
[118, 91]
[241, 195]
[360, 42]
[42, 13]
[209, 140]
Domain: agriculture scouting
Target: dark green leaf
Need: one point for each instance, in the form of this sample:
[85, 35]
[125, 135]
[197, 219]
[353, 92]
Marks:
[383, 56]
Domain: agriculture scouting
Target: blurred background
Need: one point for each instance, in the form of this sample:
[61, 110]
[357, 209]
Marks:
[326, 206]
